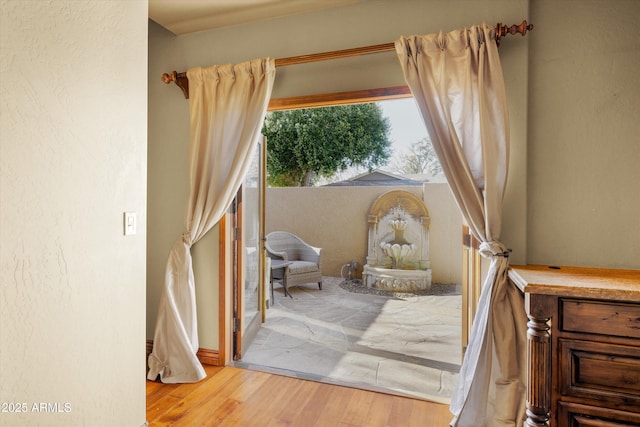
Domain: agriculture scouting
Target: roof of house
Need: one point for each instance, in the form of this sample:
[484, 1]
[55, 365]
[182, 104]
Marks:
[377, 177]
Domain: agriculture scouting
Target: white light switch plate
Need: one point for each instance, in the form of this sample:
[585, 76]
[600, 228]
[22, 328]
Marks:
[129, 223]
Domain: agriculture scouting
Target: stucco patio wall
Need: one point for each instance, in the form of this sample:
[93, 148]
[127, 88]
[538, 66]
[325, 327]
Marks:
[335, 219]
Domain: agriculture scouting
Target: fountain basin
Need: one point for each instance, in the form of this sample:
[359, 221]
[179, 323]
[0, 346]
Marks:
[395, 280]
[397, 253]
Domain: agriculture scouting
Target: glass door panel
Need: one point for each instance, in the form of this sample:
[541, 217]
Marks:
[250, 257]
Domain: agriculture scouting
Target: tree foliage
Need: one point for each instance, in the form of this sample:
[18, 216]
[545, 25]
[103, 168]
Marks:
[422, 158]
[305, 144]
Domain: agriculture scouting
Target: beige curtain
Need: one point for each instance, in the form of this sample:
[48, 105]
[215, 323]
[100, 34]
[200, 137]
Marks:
[456, 80]
[227, 106]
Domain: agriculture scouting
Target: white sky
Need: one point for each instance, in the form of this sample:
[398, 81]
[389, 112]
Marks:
[407, 126]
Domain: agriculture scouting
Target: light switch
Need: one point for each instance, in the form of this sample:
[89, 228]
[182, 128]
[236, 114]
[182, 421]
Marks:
[129, 223]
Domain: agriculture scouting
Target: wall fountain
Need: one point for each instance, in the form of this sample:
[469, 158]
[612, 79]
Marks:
[398, 248]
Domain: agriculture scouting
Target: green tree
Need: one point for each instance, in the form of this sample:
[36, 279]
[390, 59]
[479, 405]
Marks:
[305, 144]
[422, 158]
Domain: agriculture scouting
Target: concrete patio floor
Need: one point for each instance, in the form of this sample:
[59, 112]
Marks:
[404, 345]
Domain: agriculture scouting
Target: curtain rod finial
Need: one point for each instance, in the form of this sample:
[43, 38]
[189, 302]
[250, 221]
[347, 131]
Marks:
[502, 30]
[168, 78]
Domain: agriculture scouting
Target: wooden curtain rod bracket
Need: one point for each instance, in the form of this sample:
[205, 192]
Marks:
[182, 81]
[502, 30]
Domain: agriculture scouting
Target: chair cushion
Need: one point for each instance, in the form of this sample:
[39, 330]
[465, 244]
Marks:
[299, 267]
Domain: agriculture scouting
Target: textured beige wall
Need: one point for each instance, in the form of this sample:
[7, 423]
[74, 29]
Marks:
[335, 219]
[73, 159]
[584, 134]
[365, 23]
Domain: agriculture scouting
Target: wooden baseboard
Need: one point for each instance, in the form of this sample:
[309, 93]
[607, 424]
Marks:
[208, 357]
[205, 356]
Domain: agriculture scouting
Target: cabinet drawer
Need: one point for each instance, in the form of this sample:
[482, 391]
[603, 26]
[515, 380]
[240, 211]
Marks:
[575, 415]
[608, 374]
[598, 317]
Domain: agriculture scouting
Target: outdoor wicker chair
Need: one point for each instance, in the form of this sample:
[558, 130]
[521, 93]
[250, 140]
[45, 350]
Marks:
[304, 261]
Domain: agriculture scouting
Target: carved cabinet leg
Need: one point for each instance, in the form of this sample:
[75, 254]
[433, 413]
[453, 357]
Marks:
[538, 371]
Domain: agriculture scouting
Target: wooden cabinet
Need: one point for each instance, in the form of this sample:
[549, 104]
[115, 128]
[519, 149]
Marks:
[583, 348]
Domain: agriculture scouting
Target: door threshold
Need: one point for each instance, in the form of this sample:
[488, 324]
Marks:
[333, 381]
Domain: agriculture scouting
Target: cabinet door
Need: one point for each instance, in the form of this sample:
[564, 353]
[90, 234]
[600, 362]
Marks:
[603, 374]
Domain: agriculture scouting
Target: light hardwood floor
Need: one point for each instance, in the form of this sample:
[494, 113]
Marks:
[231, 396]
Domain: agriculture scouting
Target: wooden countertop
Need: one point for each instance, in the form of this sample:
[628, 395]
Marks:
[613, 284]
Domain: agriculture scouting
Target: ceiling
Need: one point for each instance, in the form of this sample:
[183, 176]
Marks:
[188, 16]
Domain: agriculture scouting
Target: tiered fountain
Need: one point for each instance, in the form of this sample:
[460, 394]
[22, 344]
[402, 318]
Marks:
[398, 250]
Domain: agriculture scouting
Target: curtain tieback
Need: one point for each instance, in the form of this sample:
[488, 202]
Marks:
[493, 248]
[186, 239]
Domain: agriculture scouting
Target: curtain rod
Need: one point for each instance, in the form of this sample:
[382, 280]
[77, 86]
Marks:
[182, 81]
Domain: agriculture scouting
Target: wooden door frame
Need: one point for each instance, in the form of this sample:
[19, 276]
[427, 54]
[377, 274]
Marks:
[471, 261]
[237, 278]
[225, 294]
[471, 282]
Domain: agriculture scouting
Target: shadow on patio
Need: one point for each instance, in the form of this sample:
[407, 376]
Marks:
[408, 345]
